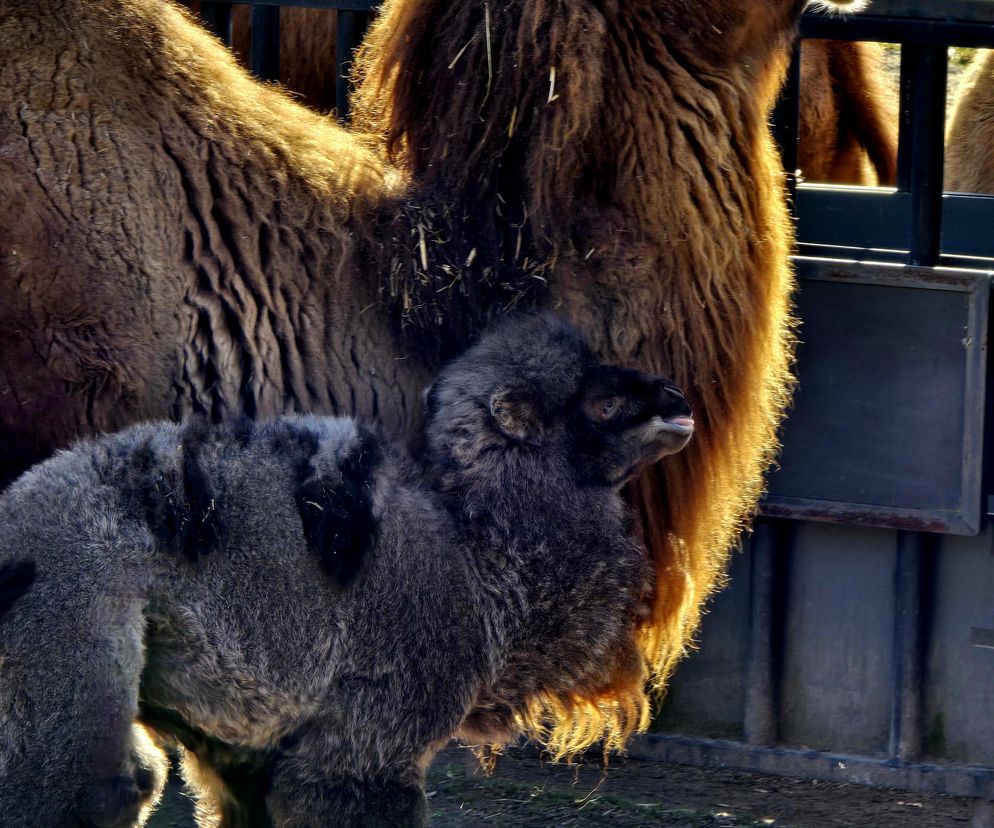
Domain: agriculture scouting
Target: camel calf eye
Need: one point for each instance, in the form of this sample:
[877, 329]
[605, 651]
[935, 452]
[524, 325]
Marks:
[601, 409]
[609, 407]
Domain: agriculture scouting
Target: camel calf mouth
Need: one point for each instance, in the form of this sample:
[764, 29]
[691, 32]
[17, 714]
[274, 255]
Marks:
[679, 425]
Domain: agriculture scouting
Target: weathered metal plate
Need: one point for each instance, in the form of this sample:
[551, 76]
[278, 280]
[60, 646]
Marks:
[887, 424]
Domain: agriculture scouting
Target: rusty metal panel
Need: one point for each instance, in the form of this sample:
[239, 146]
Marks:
[887, 424]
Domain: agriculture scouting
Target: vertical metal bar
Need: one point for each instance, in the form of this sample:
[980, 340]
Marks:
[786, 120]
[920, 161]
[906, 95]
[265, 53]
[907, 700]
[217, 18]
[927, 76]
[761, 718]
[351, 27]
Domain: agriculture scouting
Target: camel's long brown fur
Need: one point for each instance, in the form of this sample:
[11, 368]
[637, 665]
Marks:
[176, 237]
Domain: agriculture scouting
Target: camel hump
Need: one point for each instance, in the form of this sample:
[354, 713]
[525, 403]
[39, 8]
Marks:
[178, 498]
[333, 489]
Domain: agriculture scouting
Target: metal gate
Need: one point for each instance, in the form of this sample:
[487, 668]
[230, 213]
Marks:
[856, 638]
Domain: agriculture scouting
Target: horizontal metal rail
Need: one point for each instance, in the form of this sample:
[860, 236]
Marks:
[960, 11]
[899, 12]
[977, 11]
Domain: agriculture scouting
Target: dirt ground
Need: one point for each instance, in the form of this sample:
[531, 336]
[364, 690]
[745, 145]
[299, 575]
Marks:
[527, 792]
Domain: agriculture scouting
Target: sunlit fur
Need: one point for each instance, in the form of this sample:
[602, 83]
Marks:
[970, 137]
[233, 252]
[838, 6]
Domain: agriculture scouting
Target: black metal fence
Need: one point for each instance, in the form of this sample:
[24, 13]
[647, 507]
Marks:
[918, 226]
[917, 223]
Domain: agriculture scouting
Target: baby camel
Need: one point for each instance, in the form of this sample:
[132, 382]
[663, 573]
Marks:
[309, 614]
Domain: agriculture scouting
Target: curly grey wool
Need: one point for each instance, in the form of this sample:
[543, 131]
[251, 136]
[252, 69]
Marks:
[309, 613]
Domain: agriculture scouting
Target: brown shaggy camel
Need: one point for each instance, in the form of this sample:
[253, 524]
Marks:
[970, 136]
[848, 115]
[176, 238]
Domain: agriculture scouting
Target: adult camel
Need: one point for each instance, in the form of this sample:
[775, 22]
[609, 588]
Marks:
[176, 238]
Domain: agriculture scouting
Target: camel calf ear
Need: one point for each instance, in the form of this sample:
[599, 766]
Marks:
[516, 415]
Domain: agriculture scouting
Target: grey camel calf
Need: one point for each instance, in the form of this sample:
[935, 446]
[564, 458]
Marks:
[308, 612]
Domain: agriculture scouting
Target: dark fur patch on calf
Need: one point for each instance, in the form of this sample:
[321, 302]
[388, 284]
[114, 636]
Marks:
[15, 579]
[337, 515]
[179, 503]
[202, 529]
